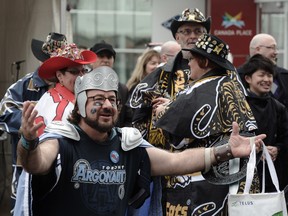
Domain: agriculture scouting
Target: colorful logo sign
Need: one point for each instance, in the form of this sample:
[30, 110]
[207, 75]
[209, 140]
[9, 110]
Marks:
[229, 20]
[234, 22]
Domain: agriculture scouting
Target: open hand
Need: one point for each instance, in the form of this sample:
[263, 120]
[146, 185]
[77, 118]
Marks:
[240, 145]
[28, 126]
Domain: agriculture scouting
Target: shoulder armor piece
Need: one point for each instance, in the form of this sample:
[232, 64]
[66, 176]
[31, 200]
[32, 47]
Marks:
[131, 138]
[63, 128]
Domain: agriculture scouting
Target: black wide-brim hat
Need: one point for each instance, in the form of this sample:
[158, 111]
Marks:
[214, 49]
[190, 16]
[43, 49]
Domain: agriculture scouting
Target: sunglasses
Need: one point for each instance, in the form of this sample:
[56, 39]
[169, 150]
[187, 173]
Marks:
[77, 71]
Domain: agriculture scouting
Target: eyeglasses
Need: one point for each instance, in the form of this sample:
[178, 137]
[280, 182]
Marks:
[186, 32]
[270, 47]
[77, 71]
[100, 100]
[169, 55]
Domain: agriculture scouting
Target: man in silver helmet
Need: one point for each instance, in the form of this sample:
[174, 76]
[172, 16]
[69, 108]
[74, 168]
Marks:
[91, 167]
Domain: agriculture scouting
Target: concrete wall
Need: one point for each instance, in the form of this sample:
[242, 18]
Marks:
[20, 21]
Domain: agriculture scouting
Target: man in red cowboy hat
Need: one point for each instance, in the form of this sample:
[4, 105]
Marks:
[167, 80]
[31, 87]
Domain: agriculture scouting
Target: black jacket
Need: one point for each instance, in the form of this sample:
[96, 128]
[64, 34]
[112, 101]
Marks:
[272, 119]
[280, 79]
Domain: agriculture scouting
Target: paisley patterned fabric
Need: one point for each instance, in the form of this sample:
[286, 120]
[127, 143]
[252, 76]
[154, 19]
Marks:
[208, 107]
[161, 83]
[201, 116]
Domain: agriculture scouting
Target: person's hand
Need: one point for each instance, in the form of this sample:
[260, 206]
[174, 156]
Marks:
[160, 101]
[28, 126]
[273, 151]
[159, 104]
[240, 145]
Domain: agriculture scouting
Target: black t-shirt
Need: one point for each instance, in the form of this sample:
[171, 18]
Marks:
[96, 179]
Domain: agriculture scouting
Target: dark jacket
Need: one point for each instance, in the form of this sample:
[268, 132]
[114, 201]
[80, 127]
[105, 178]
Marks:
[31, 87]
[166, 81]
[123, 119]
[272, 119]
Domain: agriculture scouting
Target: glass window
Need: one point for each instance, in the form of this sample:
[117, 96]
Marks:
[126, 24]
[273, 23]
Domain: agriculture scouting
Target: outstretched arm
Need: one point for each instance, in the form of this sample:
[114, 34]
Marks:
[34, 158]
[193, 160]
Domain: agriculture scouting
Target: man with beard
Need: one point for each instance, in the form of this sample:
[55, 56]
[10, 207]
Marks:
[91, 167]
[106, 56]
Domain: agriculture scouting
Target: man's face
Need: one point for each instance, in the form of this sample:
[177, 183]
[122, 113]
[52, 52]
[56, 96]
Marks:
[268, 48]
[188, 34]
[260, 82]
[104, 58]
[101, 110]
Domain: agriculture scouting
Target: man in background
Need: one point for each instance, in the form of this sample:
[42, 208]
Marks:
[169, 50]
[106, 56]
[266, 45]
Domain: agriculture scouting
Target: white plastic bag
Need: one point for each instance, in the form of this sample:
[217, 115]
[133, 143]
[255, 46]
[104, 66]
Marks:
[261, 204]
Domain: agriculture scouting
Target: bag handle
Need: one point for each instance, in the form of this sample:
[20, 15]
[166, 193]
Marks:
[252, 164]
[271, 168]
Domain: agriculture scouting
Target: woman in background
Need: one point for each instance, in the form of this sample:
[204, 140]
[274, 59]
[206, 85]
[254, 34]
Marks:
[145, 65]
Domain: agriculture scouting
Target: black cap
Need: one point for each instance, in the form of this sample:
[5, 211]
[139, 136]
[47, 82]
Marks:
[103, 46]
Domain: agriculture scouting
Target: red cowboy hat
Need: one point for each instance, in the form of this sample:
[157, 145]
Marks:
[70, 56]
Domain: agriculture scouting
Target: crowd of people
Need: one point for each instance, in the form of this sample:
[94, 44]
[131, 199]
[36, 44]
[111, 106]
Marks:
[85, 144]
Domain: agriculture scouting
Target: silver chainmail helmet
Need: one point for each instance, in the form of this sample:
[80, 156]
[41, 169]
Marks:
[102, 78]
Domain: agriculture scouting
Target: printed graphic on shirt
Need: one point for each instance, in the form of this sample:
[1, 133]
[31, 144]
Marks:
[98, 182]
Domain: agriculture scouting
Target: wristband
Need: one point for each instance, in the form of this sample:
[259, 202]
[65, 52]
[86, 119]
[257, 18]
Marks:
[29, 145]
[223, 153]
